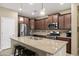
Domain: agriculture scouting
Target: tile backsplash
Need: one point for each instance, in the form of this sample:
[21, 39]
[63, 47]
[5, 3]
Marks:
[48, 31]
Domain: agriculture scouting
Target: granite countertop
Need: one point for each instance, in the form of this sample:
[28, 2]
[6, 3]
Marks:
[44, 44]
[63, 35]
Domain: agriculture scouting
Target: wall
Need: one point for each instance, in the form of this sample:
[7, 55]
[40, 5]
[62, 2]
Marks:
[78, 29]
[74, 20]
[9, 13]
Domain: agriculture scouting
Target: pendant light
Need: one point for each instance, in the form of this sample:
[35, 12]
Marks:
[21, 8]
[42, 12]
[61, 3]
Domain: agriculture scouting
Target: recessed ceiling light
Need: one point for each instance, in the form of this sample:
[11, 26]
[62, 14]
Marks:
[20, 9]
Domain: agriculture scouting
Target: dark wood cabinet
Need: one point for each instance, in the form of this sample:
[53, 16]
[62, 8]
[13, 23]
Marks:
[46, 23]
[26, 21]
[32, 24]
[67, 20]
[23, 20]
[20, 21]
[68, 46]
[42, 24]
[55, 18]
[61, 22]
[50, 19]
[36, 24]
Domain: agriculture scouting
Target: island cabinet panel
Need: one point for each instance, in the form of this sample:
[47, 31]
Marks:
[67, 21]
[61, 22]
[68, 46]
[32, 24]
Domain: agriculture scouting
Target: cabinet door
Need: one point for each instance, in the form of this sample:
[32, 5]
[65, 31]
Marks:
[26, 20]
[43, 24]
[50, 19]
[37, 24]
[20, 19]
[32, 25]
[23, 20]
[67, 21]
[8, 30]
[46, 24]
[55, 18]
[61, 22]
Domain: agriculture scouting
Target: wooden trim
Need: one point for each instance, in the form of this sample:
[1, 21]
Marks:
[41, 19]
[23, 16]
[54, 14]
[64, 14]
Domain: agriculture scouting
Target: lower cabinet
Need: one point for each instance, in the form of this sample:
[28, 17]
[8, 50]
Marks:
[68, 46]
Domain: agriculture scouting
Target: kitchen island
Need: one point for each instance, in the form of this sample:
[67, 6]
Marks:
[42, 46]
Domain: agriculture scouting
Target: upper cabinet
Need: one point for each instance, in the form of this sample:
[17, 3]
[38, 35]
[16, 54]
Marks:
[26, 21]
[61, 22]
[42, 24]
[50, 18]
[23, 20]
[32, 24]
[37, 25]
[55, 18]
[65, 21]
[46, 23]
[20, 19]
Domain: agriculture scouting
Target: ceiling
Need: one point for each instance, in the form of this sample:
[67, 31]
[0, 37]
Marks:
[27, 8]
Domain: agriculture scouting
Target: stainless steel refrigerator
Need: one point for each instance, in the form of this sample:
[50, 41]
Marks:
[23, 30]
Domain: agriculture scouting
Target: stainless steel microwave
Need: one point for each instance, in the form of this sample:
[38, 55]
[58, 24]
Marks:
[52, 26]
